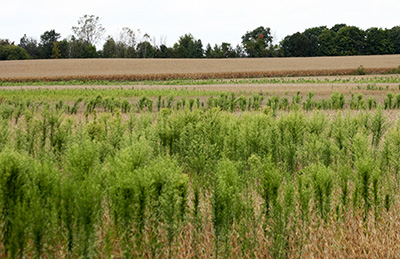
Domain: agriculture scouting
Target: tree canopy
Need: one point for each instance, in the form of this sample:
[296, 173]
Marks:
[339, 40]
[89, 29]
[342, 40]
[257, 42]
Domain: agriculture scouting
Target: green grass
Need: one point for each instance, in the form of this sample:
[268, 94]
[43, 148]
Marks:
[281, 80]
[50, 94]
[137, 185]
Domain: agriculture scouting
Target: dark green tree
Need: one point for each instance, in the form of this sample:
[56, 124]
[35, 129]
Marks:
[164, 52]
[296, 45]
[123, 47]
[227, 50]
[395, 38]
[378, 42]
[240, 53]
[315, 31]
[56, 53]
[350, 41]
[328, 43]
[9, 51]
[256, 43]
[109, 48]
[81, 49]
[145, 50]
[64, 47]
[209, 52]
[188, 47]
[337, 27]
[47, 40]
[313, 35]
[30, 45]
[224, 50]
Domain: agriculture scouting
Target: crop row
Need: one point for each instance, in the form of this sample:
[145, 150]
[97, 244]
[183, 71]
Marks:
[14, 104]
[196, 76]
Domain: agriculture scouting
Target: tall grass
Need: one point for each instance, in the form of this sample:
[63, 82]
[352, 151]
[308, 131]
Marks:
[170, 183]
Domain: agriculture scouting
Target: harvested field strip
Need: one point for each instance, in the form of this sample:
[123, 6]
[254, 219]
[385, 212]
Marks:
[198, 76]
[163, 69]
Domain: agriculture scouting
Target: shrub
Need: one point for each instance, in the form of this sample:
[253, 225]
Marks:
[13, 204]
[360, 71]
[225, 203]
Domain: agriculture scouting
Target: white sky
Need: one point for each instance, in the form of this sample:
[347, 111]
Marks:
[212, 21]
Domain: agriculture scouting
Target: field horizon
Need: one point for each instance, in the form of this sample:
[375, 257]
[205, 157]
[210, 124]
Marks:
[164, 69]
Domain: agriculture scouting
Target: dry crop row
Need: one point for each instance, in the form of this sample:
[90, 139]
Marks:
[196, 76]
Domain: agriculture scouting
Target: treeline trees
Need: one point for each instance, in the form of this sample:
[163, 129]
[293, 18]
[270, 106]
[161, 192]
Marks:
[9, 51]
[340, 40]
[79, 45]
[50, 46]
[131, 44]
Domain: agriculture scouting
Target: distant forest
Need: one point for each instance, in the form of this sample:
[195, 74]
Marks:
[340, 40]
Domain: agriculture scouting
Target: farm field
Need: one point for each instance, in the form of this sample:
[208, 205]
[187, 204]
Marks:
[277, 167]
[141, 69]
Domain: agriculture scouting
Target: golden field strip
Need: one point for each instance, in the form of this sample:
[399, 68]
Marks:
[162, 69]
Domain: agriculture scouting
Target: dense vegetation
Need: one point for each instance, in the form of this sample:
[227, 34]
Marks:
[135, 173]
[340, 40]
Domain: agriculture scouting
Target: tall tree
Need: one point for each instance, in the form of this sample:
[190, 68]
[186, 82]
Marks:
[337, 27]
[47, 40]
[350, 40]
[395, 38]
[256, 42]
[109, 48]
[145, 50]
[328, 43]
[81, 49]
[9, 51]
[378, 42]
[224, 50]
[188, 47]
[296, 45]
[89, 29]
[64, 47]
[125, 45]
[313, 35]
[164, 52]
[56, 53]
[30, 45]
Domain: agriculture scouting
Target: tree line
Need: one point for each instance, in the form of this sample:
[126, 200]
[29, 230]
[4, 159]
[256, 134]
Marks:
[340, 40]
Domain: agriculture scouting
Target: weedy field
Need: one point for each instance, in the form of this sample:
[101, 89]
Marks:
[234, 168]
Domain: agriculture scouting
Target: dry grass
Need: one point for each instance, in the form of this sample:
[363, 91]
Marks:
[347, 237]
[150, 69]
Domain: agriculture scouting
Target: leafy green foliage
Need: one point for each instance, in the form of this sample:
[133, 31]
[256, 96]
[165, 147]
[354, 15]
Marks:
[134, 184]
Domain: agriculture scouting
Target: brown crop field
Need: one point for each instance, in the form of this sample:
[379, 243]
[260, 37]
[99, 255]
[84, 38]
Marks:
[150, 69]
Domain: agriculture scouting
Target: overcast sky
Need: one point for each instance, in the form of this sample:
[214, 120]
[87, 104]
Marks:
[212, 21]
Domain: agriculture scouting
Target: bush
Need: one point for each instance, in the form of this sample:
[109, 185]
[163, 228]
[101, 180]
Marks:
[360, 71]
[12, 52]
